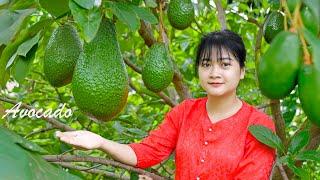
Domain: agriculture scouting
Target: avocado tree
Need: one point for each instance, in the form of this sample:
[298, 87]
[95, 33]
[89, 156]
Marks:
[116, 67]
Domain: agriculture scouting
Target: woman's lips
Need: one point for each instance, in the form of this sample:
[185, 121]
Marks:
[215, 84]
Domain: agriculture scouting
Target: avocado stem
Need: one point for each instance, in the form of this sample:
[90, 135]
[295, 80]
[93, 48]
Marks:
[161, 22]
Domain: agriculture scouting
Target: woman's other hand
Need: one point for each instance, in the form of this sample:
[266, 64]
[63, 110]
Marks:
[81, 139]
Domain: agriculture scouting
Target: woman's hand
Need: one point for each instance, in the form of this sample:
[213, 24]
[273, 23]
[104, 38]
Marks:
[81, 139]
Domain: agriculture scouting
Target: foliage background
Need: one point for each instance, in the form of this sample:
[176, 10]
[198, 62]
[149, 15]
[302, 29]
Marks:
[145, 110]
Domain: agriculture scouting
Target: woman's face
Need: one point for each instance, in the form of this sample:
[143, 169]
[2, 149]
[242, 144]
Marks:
[220, 76]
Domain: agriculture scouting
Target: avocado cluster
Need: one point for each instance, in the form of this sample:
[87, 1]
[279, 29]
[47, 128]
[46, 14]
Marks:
[97, 71]
[281, 69]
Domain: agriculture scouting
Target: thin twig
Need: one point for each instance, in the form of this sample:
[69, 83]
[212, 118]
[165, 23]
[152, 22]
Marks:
[94, 171]
[221, 14]
[146, 33]
[166, 99]
[73, 158]
[133, 66]
[282, 172]
[39, 131]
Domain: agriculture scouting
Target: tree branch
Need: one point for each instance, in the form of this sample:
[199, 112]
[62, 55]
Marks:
[74, 158]
[52, 121]
[94, 171]
[181, 88]
[282, 172]
[145, 32]
[279, 121]
[221, 14]
[39, 131]
[133, 66]
[163, 96]
[166, 99]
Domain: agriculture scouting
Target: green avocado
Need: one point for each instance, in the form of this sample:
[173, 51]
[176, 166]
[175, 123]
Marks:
[309, 88]
[100, 80]
[273, 25]
[309, 20]
[157, 72]
[61, 55]
[279, 66]
[180, 13]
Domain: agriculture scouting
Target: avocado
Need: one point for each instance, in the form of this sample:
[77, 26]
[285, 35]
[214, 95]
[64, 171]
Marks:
[279, 65]
[100, 80]
[309, 88]
[157, 72]
[61, 55]
[309, 20]
[180, 13]
[273, 24]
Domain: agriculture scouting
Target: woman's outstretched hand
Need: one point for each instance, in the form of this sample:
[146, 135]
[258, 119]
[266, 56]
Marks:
[81, 139]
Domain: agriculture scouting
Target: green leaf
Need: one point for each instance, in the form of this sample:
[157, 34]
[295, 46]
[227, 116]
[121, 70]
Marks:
[266, 136]
[10, 23]
[11, 60]
[309, 155]
[302, 173]
[23, 5]
[25, 47]
[136, 2]
[134, 176]
[125, 14]
[145, 14]
[88, 20]
[12, 47]
[299, 141]
[23, 64]
[14, 138]
[87, 4]
[18, 162]
[56, 8]
[151, 3]
[314, 5]
[289, 107]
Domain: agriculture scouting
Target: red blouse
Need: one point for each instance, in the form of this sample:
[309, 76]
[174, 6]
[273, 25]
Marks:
[206, 150]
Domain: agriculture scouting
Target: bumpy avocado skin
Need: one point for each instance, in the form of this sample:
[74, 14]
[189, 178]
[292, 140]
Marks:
[180, 13]
[273, 25]
[100, 81]
[61, 55]
[158, 70]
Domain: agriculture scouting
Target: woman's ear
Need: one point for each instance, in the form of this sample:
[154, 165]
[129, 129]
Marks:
[242, 73]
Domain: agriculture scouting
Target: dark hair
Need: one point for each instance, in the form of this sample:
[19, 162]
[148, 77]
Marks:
[219, 40]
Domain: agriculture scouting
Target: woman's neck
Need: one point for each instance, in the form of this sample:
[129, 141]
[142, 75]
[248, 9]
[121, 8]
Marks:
[219, 108]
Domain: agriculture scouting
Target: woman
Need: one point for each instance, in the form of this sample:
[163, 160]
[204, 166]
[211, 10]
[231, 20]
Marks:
[209, 135]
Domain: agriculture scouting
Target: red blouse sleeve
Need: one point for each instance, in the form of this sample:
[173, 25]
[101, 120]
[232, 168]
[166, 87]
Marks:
[160, 142]
[258, 158]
